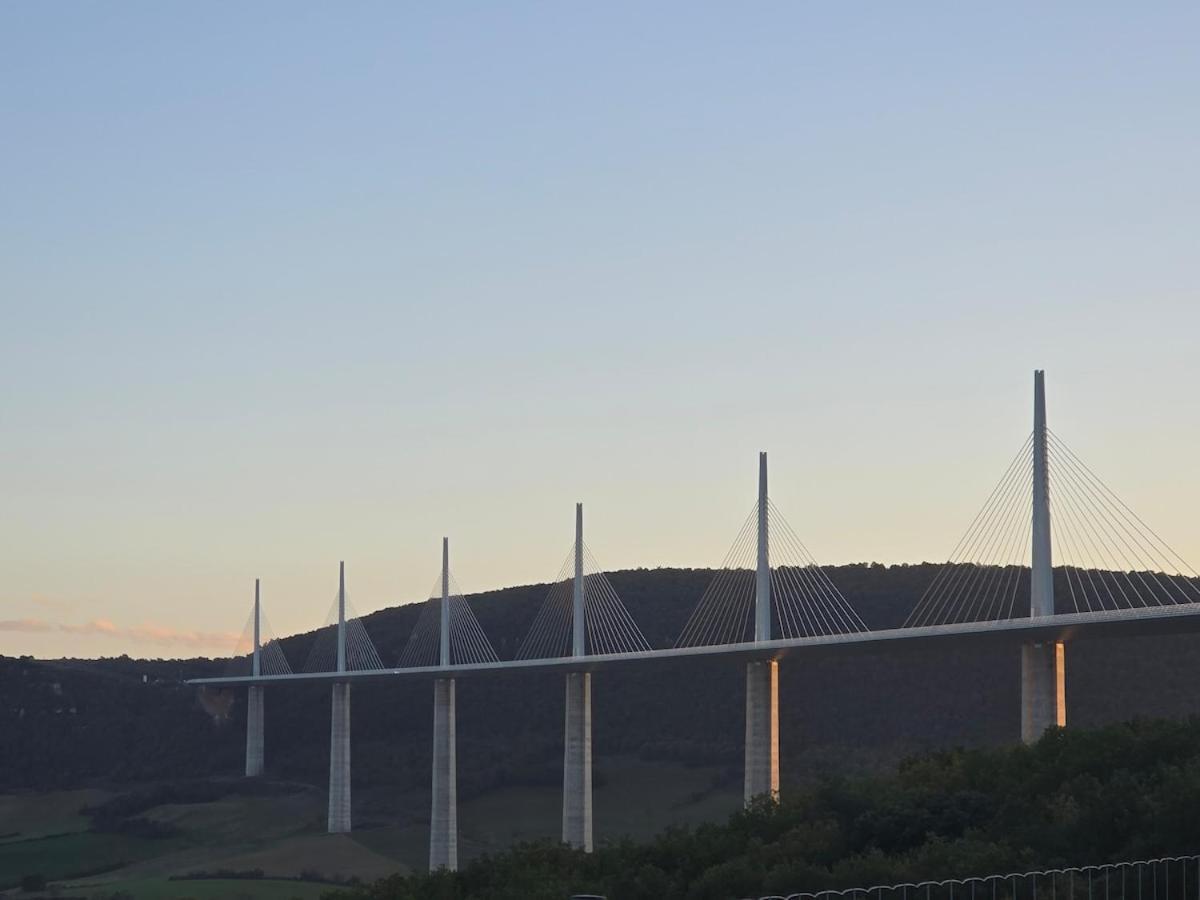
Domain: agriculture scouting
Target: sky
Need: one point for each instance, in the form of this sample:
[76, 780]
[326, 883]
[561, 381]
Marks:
[284, 284]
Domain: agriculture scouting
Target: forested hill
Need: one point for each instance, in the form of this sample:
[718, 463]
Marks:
[73, 722]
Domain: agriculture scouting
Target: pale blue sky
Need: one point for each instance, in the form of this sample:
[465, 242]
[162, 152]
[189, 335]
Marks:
[286, 283]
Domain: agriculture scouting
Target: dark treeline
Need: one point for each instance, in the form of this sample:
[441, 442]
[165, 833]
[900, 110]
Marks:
[68, 723]
[1119, 793]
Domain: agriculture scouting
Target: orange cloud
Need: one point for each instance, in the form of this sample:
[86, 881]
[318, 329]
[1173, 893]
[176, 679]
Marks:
[148, 633]
[28, 626]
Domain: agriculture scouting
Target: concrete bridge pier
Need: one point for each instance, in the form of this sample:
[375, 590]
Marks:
[254, 731]
[443, 820]
[577, 763]
[1043, 689]
[762, 730]
[339, 761]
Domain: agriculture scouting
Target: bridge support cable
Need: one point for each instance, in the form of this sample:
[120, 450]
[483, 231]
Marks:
[271, 659]
[1105, 557]
[1111, 559]
[982, 579]
[468, 642]
[550, 634]
[804, 602]
[608, 626]
[358, 649]
[724, 614]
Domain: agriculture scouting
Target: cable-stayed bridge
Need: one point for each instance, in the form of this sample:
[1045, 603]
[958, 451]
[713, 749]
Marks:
[1045, 562]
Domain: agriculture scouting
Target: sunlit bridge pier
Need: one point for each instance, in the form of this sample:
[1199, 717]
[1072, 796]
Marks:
[1054, 556]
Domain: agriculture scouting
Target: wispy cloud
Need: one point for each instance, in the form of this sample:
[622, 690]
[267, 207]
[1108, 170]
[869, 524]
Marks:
[28, 626]
[160, 635]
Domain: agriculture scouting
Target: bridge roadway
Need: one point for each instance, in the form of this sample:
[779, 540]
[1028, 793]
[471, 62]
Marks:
[1181, 619]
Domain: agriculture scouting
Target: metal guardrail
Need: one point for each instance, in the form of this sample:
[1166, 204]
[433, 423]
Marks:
[1167, 878]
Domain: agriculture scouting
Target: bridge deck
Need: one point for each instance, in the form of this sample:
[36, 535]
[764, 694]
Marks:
[1181, 619]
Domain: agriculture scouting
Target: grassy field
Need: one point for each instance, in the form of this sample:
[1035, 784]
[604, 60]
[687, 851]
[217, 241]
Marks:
[283, 835]
[639, 799]
[73, 855]
[333, 855]
[37, 815]
[215, 889]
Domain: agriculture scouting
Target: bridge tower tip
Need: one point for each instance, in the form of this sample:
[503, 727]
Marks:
[762, 583]
[578, 634]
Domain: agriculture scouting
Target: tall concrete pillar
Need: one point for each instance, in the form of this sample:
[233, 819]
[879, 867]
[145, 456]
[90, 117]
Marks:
[1043, 670]
[762, 677]
[339, 760]
[254, 701]
[1043, 689]
[577, 733]
[443, 819]
[339, 728]
[254, 731]
[577, 763]
[443, 822]
[762, 730]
